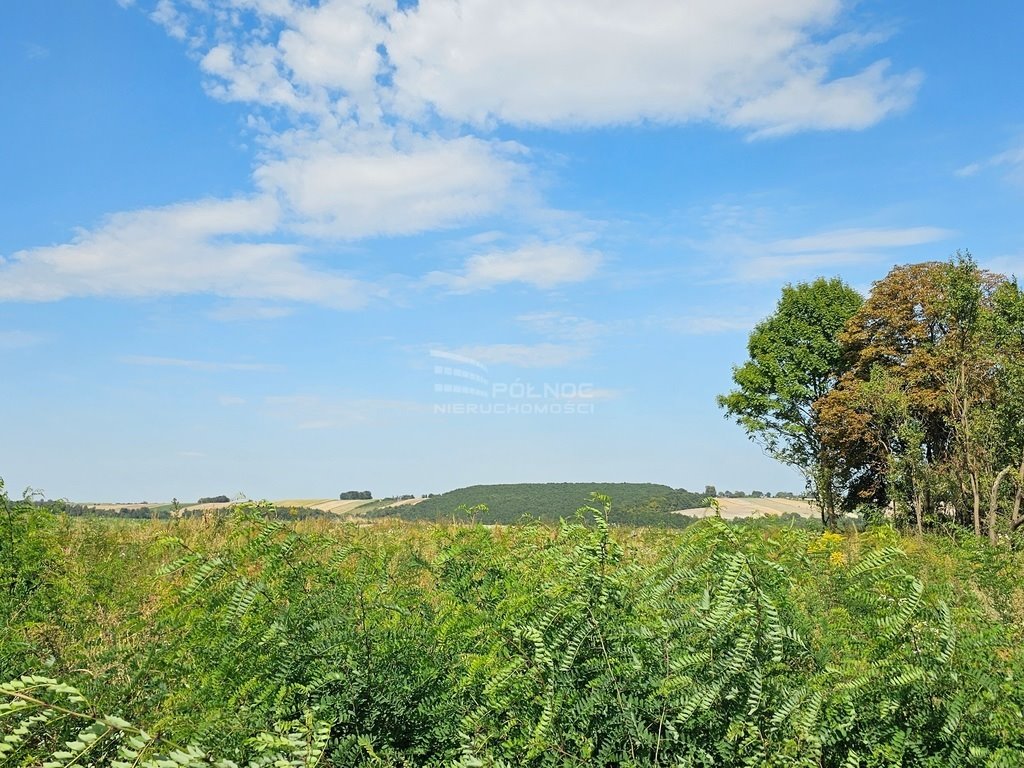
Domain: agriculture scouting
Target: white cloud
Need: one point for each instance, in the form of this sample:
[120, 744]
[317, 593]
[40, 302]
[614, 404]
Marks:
[810, 102]
[362, 84]
[1011, 159]
[369, 119]
[197, 365]
[230, 401]
[335, 46]
[385, 190]
[19, 339]
[862, 238]
[167, 15]
[828, 250]
[524, 355]
[762, 67]
[198, 247]
[743, 258]
[746, 63]
[252, 74]
[541, 265]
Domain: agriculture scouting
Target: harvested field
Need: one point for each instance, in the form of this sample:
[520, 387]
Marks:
[308, 503]
[336, 506]
[734, 508]
[404, 502]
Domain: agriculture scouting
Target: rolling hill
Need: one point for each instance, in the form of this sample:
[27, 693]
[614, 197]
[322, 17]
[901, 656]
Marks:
[632, 503]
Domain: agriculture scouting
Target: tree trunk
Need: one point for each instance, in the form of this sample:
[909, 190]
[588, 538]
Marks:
[1015, 518]
[993, 503]
[824, 492]
[976, 497]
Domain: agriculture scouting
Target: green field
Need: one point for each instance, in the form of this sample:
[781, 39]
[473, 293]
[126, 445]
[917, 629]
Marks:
[318, 642]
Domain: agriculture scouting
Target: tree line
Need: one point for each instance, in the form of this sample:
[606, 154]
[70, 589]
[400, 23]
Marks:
[907, 403]
[353, 495]
[639, 504]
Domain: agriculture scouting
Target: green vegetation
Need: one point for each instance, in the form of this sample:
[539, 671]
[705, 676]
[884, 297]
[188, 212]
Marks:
[354, 495]
[636, 503]
[911, 408]
[252, 641]
[795, 360]
[171, 511]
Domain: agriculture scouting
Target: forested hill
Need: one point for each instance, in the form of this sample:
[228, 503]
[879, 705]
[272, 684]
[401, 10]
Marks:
[633, 503]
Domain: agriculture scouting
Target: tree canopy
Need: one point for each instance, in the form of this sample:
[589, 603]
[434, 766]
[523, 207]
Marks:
[911, 402]
[928, 417]
[795, 359]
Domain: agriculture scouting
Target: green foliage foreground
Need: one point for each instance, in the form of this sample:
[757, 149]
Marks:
[251, 641]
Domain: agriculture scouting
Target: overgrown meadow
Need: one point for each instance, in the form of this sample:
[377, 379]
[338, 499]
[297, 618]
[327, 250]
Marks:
[243, 640]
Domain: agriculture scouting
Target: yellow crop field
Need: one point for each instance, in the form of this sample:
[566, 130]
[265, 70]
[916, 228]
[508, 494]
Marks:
[749, 507]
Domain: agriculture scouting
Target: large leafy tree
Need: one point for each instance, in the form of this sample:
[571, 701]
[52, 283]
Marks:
[895, 386]
[929, 412]
[795, 359]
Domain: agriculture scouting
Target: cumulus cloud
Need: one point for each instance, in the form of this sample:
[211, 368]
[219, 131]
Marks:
[199, 247]
[759, 66]
[373, 118]
[386, 190]
[351, 71]
[251, 74]
[764, 67]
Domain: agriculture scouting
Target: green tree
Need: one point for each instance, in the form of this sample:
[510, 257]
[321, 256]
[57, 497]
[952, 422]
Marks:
[795, 359]
[929, 414]
[1007, 332]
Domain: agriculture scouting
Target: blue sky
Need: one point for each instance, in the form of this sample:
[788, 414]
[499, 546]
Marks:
[265, 245]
